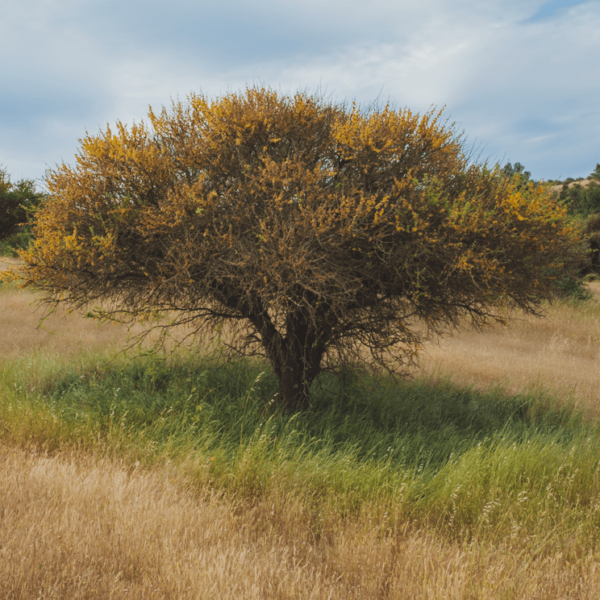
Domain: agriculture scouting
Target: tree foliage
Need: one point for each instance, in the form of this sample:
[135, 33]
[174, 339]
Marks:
[517, 171]
[592, 232]
[321, 235]
[17, 201]
[582, 200]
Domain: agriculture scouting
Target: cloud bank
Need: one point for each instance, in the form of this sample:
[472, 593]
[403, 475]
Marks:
[519, 77]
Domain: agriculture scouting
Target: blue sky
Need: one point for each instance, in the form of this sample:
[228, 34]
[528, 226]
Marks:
[521, 78]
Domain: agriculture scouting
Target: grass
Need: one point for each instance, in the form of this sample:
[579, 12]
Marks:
[406, 449]
[559, 353]
[180, 478]
[75, 526]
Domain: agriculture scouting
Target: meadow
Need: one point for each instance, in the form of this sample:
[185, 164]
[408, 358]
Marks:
[126, 476]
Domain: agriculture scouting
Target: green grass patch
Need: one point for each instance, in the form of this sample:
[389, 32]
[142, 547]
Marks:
[431, 454]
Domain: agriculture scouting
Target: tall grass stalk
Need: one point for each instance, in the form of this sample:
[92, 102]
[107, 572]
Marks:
[465, 463]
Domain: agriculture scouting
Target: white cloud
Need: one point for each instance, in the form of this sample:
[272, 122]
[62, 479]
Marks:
[523, 88]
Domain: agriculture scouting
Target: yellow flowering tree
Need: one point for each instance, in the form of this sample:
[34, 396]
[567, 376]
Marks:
[321, 235]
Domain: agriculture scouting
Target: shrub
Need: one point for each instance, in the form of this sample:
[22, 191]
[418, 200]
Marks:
[17, 202]
[324, 235]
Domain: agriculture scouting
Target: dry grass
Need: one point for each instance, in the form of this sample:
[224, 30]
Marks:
[8, 262]
[560, 353]
[75, 527]
[26, 329]
[61, 334]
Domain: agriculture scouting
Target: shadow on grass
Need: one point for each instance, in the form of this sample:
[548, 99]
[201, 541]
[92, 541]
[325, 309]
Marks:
[406, 422]
[422, 452]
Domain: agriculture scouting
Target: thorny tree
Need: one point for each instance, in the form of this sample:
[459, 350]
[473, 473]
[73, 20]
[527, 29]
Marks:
[322, 235]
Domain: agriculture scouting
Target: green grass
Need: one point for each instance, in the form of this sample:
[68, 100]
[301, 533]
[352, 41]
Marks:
[464, 462]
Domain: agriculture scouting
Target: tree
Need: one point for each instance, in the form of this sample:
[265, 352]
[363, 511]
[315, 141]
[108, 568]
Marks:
[17, 200]
[322, 235]
[517, 171]
[581, 200]
[592, 233]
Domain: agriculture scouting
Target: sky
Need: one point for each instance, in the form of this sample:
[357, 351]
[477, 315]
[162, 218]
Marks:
[520, 78]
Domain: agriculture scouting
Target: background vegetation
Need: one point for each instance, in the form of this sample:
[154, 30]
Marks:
[582, 198]
[582, 195]
[17, 202]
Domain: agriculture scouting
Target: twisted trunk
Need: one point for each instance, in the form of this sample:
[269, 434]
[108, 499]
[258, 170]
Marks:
[295, 380]
[295, 357]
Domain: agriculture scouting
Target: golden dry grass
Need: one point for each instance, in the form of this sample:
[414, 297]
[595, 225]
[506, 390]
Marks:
[26, 329]
[61, 334]
[559, 353]
[8, 262]
[77, 527]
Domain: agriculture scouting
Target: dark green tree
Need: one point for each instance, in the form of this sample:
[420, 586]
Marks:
[17, 201]
[517, 171]
[582, 198]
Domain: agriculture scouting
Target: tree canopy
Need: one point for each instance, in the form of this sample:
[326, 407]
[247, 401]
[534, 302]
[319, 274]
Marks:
[17, 200]
[517, 170]
[321, 235]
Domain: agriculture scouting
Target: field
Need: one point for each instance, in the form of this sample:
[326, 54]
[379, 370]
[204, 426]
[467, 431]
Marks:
[144, 477]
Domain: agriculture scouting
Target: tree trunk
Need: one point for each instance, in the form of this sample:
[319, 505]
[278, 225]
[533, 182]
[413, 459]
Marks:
[294, 388]
[295, 358]
[296, 362]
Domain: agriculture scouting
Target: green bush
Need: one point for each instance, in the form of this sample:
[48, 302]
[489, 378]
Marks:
[590, 265]
[592, 231]
[582, 201]
[17, 202]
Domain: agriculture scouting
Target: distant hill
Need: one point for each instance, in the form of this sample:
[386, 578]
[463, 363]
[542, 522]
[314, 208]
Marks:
[582, 182]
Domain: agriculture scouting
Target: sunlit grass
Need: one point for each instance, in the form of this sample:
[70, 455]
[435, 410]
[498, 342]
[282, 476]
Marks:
[458, 460]
[436, 487]
[559, 353]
